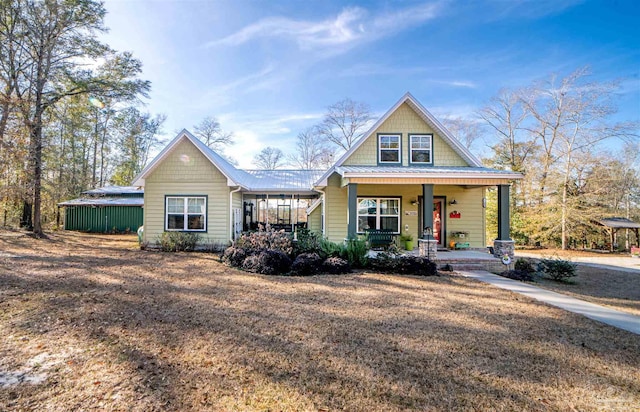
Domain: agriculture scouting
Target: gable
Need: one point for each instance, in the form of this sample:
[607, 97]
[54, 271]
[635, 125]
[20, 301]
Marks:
[405, 121]
[185, 163]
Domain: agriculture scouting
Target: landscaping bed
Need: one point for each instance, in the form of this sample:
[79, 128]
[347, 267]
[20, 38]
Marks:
[92, 322]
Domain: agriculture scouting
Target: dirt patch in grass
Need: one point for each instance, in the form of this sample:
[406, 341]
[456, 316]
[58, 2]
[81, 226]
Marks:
[105, 326]
[613, 288]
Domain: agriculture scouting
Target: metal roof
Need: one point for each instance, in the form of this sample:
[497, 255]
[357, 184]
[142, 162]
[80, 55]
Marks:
[274, 180]
[115, 190]
[105, 201]
[618, 223]
[435, 171]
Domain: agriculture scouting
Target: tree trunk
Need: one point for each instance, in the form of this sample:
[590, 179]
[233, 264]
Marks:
[26, 221]
[35, 133]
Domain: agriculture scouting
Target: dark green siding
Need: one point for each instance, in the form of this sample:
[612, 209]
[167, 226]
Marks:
[103, 219]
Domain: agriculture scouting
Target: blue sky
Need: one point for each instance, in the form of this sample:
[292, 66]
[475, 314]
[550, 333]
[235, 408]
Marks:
[268, 69]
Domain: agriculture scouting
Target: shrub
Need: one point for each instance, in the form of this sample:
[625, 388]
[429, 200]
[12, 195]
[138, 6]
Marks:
[306, 264]
[407, 265]
[335, 265]
[330, 249]
[383, 262]
[178, 241]
[356, 252]
[267, 262]
[524, 265]
[308, 242]
[234, 256]
[266, 239]
[417, 265]
[557, 269]
[518, 274]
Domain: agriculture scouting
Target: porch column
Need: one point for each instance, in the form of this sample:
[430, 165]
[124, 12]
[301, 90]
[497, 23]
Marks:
[427, 209]
[503, 245]
[352, 217]
[503, 212]
[427, 245]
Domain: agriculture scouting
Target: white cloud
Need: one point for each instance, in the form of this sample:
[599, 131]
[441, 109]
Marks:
[255, 131]
[350, 27]
[460, 83]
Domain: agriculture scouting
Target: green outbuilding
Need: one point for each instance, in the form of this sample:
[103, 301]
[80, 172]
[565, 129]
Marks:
[111, 209]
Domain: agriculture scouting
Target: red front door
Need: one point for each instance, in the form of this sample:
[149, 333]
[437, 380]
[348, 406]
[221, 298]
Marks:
[438, 230]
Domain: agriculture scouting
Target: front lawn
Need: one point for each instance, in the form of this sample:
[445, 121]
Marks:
[91, 322]
[613, 288]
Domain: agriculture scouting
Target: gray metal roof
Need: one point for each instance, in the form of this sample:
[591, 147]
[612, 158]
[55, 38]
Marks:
[115, 190]
[274, 180]
[435, 171]
[105, 201]
[618, 223]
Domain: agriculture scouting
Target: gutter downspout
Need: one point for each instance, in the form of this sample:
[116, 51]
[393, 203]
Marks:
[231, 232]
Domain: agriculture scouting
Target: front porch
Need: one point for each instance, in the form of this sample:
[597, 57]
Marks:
[441, 216]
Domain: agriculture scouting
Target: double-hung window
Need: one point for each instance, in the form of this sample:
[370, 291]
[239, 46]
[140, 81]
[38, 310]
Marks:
[186, 213]
[378, 213]
[389, 148]
[420, 148]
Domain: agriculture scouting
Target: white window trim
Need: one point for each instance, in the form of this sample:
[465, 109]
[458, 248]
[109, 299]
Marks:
[378, 214]
[399, 149]
[185, 213]
[411, 149]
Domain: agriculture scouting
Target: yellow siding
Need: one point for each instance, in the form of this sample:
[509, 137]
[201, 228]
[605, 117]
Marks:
[314, 220]
[469, 205]
[186, 171]
[406, 121]
[336, 209]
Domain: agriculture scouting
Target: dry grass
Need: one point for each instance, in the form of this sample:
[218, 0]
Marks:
[89, 322]
[613, 288]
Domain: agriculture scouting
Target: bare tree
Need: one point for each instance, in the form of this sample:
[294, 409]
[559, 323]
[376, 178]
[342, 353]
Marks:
[467, 131]
[211, 133]
[311, 151]
[550, 131]
[345, 122]
[571, 118]
[505, 115]
[269, 158]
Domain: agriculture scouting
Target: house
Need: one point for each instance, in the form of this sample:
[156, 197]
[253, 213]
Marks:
[106, 209]
[407, 174]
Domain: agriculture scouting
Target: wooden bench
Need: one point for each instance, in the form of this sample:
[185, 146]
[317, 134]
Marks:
[380, 237]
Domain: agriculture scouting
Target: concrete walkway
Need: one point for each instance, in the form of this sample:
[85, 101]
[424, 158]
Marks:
[611, 317]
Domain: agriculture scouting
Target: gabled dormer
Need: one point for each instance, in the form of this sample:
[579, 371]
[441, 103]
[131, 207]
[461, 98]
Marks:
[408, 135]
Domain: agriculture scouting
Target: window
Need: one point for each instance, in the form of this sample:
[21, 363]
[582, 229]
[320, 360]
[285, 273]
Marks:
[389, 148]
[378, 213]
[420, 148]
[186, 213]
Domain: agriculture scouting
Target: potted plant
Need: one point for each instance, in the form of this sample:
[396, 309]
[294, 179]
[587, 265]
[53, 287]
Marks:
[407, 239]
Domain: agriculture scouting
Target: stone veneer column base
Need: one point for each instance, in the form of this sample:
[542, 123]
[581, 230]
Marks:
[428, 248]
[504, 247]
